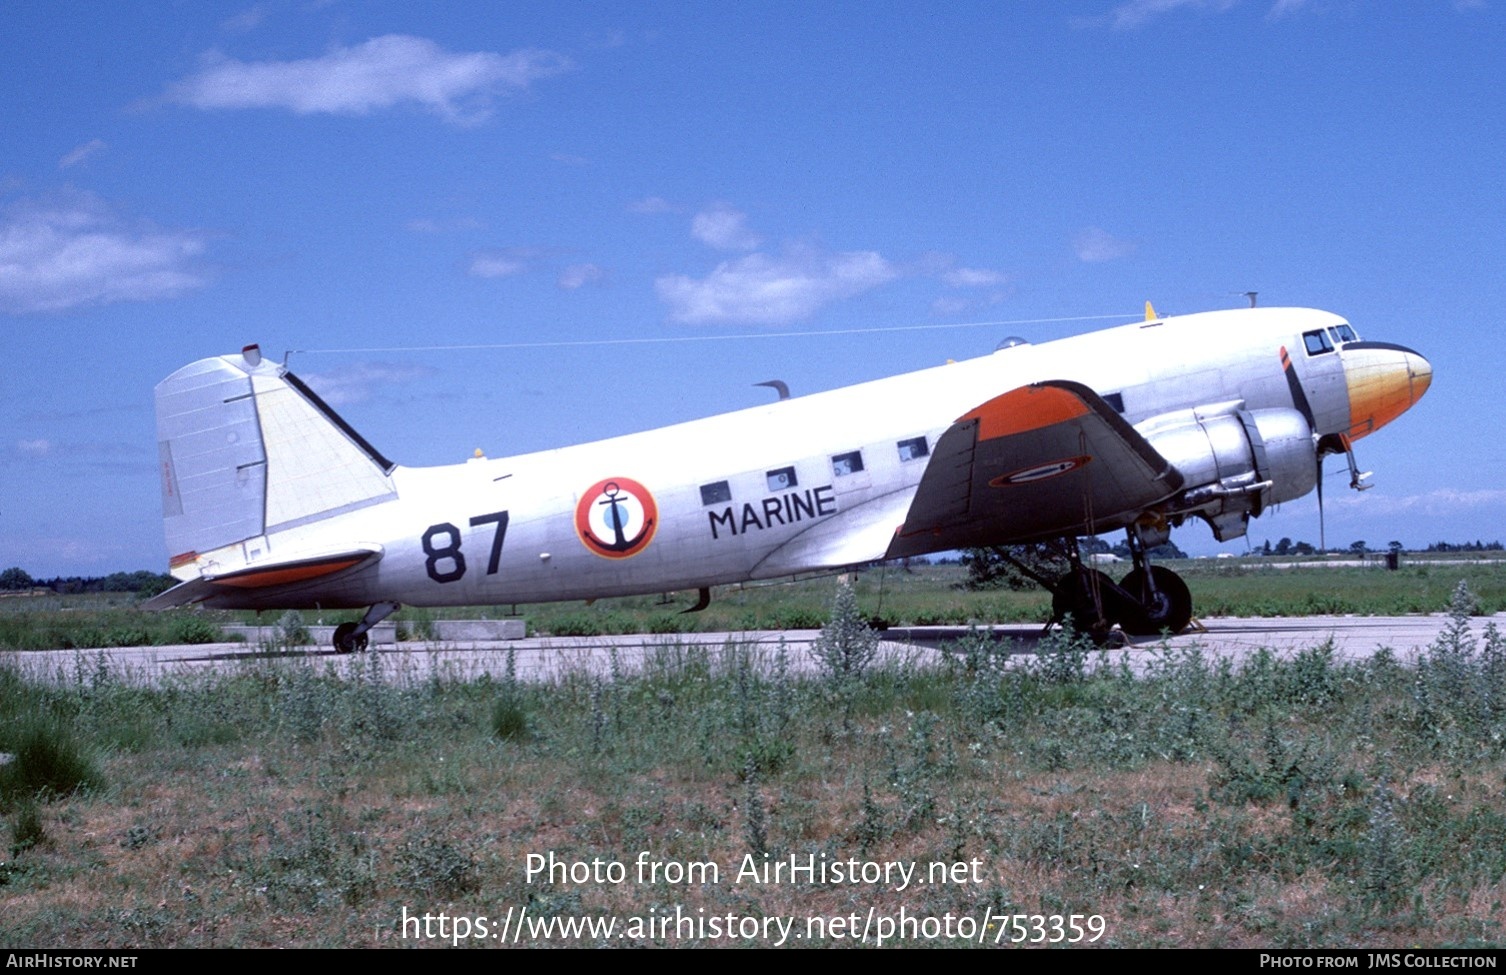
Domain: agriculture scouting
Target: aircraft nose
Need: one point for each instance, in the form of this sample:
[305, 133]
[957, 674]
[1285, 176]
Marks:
[1384, 382]
[1421, 371]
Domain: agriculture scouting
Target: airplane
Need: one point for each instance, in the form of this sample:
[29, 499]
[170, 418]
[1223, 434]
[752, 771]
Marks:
[272, 501]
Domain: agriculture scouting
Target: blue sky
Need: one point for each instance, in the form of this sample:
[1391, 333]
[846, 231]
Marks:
[178, 180]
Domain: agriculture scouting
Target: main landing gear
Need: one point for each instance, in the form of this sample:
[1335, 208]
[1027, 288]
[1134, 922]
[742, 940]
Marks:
[1150, 600]
[350, 637]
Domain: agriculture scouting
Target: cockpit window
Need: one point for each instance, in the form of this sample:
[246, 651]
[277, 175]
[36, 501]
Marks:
[1344, 333]
[1317, 342]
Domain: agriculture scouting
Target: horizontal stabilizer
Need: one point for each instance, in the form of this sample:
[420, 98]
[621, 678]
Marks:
[1039, 461]
[188, 593]
[265, 574]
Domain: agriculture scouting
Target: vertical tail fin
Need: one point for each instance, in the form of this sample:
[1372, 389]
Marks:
[246, 450]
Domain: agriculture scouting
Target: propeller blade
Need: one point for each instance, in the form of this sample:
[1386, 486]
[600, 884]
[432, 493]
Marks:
[1322, 534]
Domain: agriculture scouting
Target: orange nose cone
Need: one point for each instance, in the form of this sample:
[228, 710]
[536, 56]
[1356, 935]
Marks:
[1384, 381]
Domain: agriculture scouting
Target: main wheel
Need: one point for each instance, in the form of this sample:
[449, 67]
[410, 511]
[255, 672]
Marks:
[347, 640]
[1074, 597]
[1169, 609]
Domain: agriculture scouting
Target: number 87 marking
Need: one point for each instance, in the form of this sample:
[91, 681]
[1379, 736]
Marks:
[451, 550]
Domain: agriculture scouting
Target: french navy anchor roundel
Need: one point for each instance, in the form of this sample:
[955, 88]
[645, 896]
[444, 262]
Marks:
[616, 517]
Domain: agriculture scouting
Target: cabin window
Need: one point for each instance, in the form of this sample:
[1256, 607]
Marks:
[913, 449]
[782, 480]
[1317, 342]
[717, 492]
[1116, 400]
[848, 463]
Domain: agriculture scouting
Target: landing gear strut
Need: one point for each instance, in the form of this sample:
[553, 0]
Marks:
[1158, 598]
[1150, 600]
[1087, 597]
[351, 637]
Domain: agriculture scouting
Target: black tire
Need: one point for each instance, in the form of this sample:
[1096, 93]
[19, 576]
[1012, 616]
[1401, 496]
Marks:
[346, 640]
[1169, 611]
[1074, 597]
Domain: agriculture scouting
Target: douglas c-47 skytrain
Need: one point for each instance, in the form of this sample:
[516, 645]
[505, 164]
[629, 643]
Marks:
[272, 501]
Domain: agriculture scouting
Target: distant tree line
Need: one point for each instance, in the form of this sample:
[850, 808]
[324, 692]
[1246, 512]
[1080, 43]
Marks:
[1475, 546]
[1288, 547]
[16, 579]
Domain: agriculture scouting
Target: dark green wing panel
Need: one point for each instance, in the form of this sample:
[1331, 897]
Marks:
[1040, 461]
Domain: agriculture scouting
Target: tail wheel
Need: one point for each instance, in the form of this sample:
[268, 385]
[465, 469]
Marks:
[1168, 609]
[347, 640]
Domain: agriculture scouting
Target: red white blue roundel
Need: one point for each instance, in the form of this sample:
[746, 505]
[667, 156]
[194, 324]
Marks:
[1040, 472]
[616, 518]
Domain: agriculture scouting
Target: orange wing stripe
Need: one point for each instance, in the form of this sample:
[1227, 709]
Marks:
[1024, 409]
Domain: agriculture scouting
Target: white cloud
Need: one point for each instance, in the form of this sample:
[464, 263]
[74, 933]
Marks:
[950, 305]
[99, 457]
[723, 226]
[76, 251]
[610, 39]
[247, 20]
[353, 384]
[970, 277]
[381, 73]
[1439, 502]
[652, 204]
[1095, 245]
[81, 153]
[1136, 13]
[983, 286]
[578, 275]
[763, 290]
[498, 264]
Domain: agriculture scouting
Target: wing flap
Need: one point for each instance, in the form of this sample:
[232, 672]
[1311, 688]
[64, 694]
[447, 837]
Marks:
[1039, 461]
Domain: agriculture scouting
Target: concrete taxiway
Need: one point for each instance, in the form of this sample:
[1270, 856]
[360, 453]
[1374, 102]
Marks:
[555, 658]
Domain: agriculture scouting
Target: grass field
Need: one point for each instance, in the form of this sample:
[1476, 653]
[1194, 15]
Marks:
[1294, 802]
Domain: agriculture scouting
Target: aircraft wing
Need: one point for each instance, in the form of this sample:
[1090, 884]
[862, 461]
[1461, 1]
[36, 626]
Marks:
[265, 574]
[859, 536]
[1040, 461]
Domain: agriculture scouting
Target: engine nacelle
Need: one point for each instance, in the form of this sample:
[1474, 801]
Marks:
[1235, 462]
